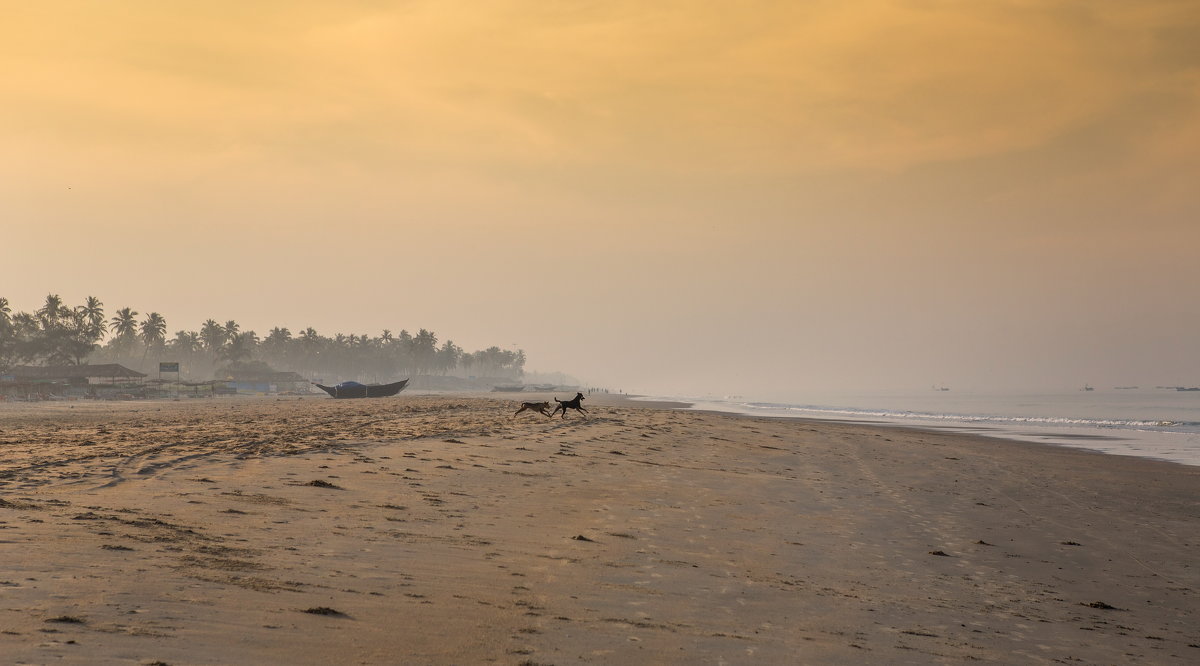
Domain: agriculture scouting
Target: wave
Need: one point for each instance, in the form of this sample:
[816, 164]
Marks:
[860, 413]
[1148, 429]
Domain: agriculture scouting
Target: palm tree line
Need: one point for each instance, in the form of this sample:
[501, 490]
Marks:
[57, 334]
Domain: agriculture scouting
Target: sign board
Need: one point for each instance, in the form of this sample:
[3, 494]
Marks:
[168, 367]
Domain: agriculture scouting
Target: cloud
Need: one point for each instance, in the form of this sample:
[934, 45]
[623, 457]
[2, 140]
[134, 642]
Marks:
[714, 86]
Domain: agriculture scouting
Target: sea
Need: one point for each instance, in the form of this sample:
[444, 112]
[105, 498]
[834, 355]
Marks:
[1159, 423]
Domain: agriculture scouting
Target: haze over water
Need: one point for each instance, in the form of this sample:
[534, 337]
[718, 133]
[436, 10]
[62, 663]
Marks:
[750, 198]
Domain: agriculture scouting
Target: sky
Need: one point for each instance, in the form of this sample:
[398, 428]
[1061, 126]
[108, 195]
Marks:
[676, 197]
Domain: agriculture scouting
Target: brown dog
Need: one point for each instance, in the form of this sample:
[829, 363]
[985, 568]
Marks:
[539, 407]
[573, 403]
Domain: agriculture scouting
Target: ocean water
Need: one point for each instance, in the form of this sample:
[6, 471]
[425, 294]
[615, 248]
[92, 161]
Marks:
[1163, 424]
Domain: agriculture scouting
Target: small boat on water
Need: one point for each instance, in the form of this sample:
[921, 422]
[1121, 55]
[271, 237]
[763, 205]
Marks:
[355, 390]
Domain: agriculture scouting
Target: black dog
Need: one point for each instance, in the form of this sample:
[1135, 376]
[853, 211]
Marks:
[573, 403]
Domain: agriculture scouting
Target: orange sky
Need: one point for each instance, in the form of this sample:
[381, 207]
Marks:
[695, 196]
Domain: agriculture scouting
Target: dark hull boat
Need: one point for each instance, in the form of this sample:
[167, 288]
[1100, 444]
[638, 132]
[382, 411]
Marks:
[355, 390]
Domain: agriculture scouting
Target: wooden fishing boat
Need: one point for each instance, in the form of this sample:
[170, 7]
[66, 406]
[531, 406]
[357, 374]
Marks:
[347, 390]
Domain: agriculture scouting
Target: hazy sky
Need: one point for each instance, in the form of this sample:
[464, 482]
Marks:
[689, 196]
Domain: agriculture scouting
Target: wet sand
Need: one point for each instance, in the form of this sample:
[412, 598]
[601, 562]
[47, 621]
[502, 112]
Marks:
[441, 529]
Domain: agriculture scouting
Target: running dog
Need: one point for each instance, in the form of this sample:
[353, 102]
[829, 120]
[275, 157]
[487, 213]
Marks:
[539, 407]
[573, 403]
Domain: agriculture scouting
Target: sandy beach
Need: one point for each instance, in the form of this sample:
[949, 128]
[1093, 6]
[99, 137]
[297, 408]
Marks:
[444, 530]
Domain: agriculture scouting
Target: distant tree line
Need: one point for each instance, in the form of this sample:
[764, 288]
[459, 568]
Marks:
[58, 334]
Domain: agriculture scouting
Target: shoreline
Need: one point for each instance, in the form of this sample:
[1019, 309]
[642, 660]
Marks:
[1182, 448]
[444, 529]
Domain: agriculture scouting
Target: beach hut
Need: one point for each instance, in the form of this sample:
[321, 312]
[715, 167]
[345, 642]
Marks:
[106, 373]
[58, 381]
[268, 382]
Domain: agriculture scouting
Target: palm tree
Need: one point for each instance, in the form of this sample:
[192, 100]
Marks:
[212, 335]
[309, 342]
[276, 345]
[154, 330]
[240, 348]
[93, 310]
[124, 329]
[231, 329]
[448, 356]
[74, 338]
[7, 339]
[185, 346]
[26, 330]
[59, 334]
[5, 319]
[84, 327]
[124, 323]
[154, 333]
[402, 352]
[51, 312]
[186, 342]
[466, 361]
[5, 316]
[493, 360]
[424, 349]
